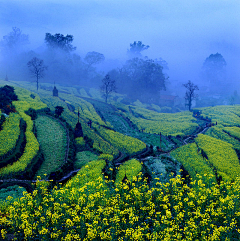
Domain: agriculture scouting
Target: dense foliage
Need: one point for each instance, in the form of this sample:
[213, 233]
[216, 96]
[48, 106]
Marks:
[140, 78]
[7, 95]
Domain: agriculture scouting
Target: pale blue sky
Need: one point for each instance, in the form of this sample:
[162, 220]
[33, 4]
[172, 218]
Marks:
[183, 32]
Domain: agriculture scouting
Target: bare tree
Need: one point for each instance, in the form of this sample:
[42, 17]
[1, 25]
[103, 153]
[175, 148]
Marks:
[190, 94]
[37, 68]
[108, 86]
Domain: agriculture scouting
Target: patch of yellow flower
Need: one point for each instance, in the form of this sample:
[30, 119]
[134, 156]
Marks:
[133, 211]
[9, 133]
[221, 156]
[193, 162]
[180, 123]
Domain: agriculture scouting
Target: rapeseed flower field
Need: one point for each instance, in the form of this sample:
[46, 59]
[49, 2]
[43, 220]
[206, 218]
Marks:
[131, 211]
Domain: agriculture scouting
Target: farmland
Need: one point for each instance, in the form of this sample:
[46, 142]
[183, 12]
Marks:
[121, 180]
[54, 147]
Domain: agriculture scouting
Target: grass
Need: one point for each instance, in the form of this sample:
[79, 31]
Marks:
[52, 138]
[83, 158]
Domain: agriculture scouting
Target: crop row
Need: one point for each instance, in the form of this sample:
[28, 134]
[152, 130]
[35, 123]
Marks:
[83, 158]
[83, 92]
[124, 143]
[221, 156]
[32, 146]
[10, 133]
[180, 123]
[218, 133]
[95, 94]
[53, 141]
[225, 115]
[31, 99]
[193, 162]
[98, 143]
[30, 151]
[153, 115]
[86, 109]
[131, 168]
[233, 131]
[91, 172]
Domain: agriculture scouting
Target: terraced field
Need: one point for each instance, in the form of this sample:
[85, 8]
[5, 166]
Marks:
[224, 115]
[130, 168]
[220, 155]
[83, 158]
[52, 137]
[31, 148]
[194, 163]
[9, 134]
[96, 203]
[115, 117]
[181, 123]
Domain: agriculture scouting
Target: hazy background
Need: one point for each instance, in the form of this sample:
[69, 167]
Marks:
[183, 33]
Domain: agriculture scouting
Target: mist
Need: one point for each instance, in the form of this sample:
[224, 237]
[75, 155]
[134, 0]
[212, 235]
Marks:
[182, 33]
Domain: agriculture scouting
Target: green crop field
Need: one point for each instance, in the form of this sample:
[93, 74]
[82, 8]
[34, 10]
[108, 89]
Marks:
[84, 157]
[52, 138]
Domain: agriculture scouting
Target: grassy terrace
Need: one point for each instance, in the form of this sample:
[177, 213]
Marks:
[52, 138]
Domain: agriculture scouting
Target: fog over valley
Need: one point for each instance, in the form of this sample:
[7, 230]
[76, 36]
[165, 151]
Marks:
[196, 41]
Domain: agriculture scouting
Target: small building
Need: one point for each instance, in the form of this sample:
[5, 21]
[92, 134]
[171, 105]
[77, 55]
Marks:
[55, 91]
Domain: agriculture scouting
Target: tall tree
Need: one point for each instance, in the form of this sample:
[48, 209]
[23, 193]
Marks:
[93, 58]
[142, 79]
[214, 70]
[108, 86]
[190, 94]
[37, 68]
[13, 55]
[136, 48]
[14, 39]
[59, 41]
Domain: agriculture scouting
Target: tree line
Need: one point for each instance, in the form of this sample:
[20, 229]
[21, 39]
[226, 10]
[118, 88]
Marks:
[139, 77]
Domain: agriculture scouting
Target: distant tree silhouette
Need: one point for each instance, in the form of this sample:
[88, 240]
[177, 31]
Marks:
[60, 41]
[214, 71]
[190, 94]
[37, 68]
[141, 79]
[14, 39]
[136, 48]
[93, 58]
